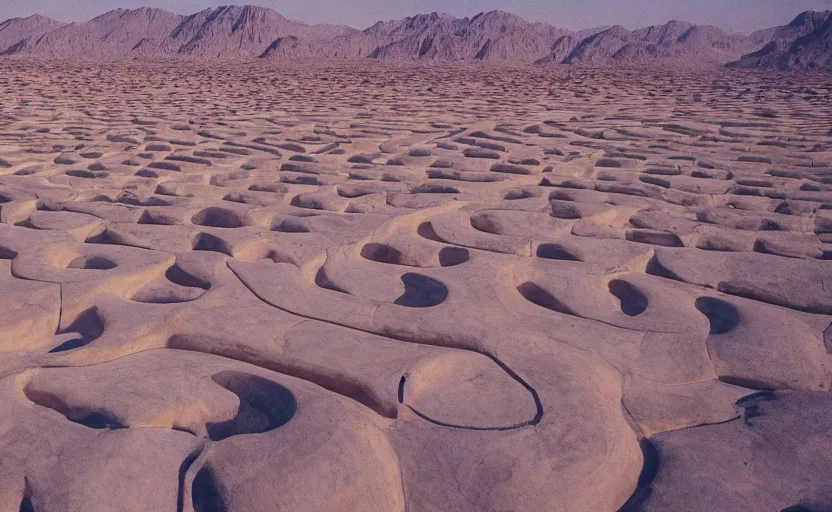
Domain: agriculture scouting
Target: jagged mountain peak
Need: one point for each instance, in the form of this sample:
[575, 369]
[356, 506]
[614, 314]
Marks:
[497, 15]
[498, 20]
[668, 32]
[33, 20]
[615, 31]
[141, 14]
[810, 18]
[37, 18]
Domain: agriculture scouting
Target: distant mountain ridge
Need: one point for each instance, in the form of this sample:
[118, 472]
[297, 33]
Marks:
[249, 32]
[17, 35]
[804, 44]
[675, 40]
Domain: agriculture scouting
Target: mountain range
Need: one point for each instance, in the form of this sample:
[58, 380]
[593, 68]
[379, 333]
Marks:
[249, 32]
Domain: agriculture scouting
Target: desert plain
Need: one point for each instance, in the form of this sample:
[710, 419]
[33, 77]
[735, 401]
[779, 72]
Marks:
[388, 288]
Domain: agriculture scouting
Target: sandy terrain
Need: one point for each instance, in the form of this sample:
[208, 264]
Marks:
[249, 288]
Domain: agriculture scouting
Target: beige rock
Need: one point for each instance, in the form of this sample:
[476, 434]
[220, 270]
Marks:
[386, 288]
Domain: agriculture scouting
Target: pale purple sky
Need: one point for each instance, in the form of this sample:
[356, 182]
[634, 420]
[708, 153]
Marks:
[735, 15]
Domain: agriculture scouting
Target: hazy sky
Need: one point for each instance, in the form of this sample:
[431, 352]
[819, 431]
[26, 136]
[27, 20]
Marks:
[737, 15]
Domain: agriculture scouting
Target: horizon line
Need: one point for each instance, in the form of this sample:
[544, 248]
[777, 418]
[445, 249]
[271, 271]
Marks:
[184, 15]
